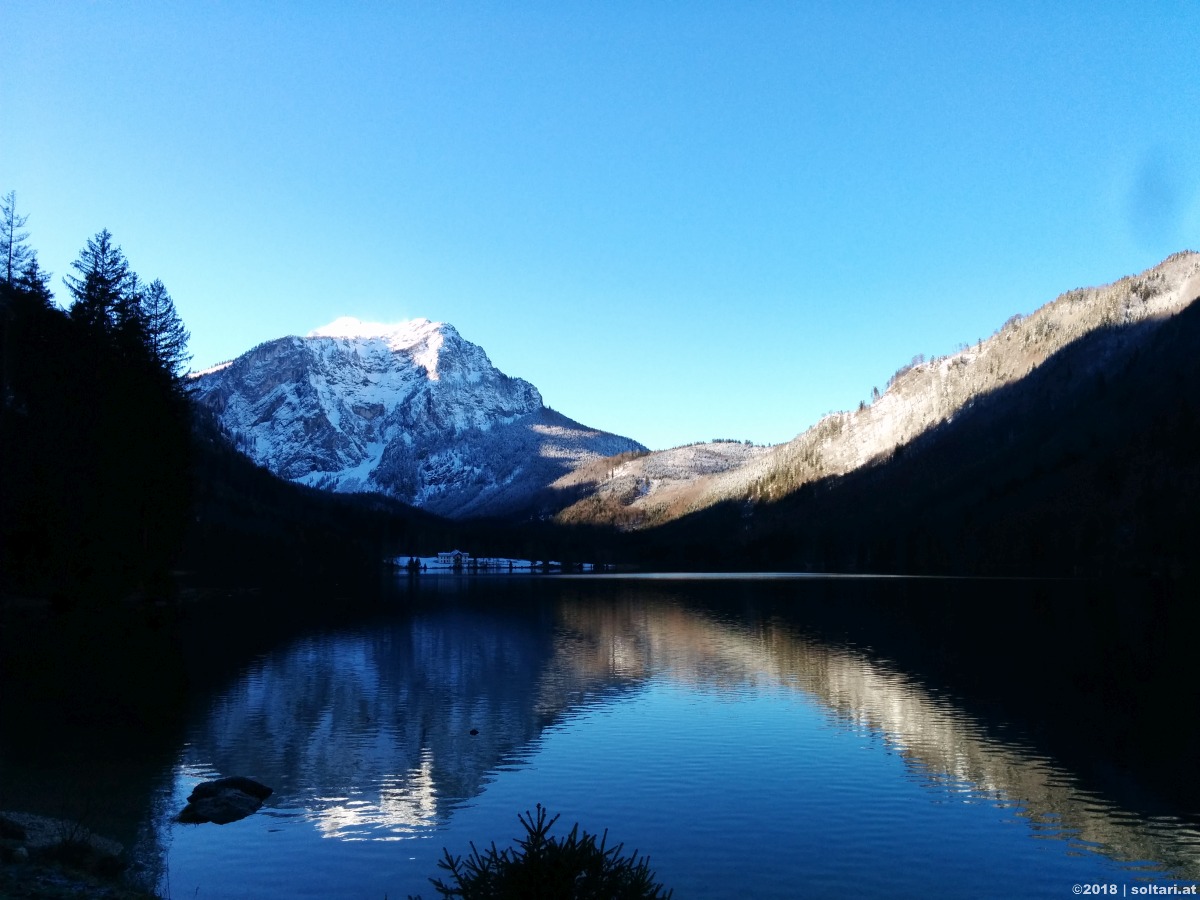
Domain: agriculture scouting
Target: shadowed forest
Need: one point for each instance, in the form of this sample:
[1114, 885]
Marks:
[1067, 472]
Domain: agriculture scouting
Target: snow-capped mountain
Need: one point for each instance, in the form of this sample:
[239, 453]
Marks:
[411, 410]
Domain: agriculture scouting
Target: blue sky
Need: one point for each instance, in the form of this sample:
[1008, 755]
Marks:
[681, 221]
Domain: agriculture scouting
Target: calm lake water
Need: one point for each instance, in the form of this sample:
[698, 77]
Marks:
[757, 738]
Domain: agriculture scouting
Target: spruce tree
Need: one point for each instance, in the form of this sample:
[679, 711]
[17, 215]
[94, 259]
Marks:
[14, 254]
[35, 283]
[166, 335]
[101, 289]
[129, 324]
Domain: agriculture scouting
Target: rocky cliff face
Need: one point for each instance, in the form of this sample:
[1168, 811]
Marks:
[411, 410]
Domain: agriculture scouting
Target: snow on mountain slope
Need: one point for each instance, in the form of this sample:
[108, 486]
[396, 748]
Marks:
[411, 409]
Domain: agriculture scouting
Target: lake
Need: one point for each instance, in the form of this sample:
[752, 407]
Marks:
[765, 737]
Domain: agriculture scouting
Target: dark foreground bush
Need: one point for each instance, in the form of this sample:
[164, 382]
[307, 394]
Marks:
[546, 868]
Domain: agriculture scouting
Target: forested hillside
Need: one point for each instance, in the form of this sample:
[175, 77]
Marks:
[923, 395]
[1085, 466]
[94, 423]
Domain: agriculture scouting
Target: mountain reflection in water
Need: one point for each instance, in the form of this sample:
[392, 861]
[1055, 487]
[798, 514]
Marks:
[367, 732]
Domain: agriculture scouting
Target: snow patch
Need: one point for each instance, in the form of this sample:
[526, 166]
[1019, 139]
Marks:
[219, 367]
[420, 339]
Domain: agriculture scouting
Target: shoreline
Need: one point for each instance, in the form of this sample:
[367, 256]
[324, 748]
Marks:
[44, 857]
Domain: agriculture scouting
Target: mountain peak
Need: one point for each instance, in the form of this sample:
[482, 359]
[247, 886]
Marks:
[398, 335]
[410, 409]
[421, 340]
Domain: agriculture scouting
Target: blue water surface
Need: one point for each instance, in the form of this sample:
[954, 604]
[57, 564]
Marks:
[746, 757]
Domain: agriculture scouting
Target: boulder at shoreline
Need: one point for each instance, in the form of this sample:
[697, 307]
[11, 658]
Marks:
[224, 800]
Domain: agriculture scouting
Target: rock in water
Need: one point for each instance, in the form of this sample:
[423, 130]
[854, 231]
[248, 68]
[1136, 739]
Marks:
[224, 800]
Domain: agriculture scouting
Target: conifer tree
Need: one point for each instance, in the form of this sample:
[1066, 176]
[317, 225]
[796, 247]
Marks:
[101, 289]
[129, 323]
[35, 283]
[165, 333]
[14, 254]
[127, 311]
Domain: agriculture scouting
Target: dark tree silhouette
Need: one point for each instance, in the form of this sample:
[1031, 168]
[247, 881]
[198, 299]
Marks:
[94, 431]
[34, 283]
[166, 335]
[101, 289]
[14, 254]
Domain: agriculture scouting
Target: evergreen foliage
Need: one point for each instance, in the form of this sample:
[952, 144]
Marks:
[95, 433]
[15, 256]
[96, 448]
[577, 867]
[101, 288]
[1072, 470]
[166, 334]
[33, 283]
